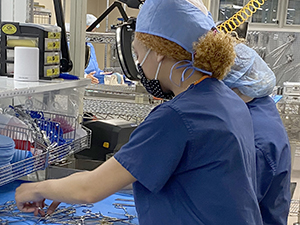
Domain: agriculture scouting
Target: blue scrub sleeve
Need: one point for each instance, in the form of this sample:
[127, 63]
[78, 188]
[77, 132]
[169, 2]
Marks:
[155, 148]
[93, 64]
[274, 196]
[275, 206]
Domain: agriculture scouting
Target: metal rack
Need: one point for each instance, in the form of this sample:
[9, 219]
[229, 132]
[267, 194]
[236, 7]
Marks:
[41, 161]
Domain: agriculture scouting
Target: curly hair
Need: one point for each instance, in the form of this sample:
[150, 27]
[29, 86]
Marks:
[214, 52]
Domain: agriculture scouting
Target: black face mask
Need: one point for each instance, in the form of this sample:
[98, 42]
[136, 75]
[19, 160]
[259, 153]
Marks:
[153, 86]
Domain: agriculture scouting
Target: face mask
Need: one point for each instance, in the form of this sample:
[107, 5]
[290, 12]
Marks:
[153, 86]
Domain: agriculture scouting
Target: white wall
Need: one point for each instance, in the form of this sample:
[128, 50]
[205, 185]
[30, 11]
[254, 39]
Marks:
[49, 5]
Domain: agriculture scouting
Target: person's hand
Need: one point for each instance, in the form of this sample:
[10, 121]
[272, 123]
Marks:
[91, 76]
[28, 200]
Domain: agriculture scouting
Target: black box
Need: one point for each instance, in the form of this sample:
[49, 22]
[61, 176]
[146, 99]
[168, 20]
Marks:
[108, 136]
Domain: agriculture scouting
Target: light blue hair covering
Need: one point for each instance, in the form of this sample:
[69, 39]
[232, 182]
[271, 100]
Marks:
[250, 74]
[90, 19]
[176, 20]
[179, 21]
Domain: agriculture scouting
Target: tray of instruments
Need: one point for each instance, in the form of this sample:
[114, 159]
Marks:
[109, 109]
[113, 91]
[36, 150]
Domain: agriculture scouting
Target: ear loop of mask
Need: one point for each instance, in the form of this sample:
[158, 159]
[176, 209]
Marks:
[145, 57]
[157, 71]
[159, 65]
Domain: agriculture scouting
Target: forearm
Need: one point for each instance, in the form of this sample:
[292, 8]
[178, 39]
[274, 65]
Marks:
[87, 187]
[72, 189]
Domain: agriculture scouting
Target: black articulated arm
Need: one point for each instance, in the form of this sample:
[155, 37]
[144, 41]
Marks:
[132, 3]
[124, 36]
[66, 64]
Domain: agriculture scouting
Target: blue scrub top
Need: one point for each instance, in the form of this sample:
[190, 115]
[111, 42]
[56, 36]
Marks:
[194, 160]
[273, 161]
[93, 65]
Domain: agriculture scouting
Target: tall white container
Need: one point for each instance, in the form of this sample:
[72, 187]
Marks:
[26, 64]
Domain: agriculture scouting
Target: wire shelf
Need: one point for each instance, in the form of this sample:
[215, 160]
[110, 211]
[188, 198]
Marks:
[105, 109]
[41, 160]
[111, 88]
[96, 37]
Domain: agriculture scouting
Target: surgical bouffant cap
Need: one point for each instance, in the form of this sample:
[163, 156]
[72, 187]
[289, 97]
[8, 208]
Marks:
[90, 19]
[250, 74]
[180, 21]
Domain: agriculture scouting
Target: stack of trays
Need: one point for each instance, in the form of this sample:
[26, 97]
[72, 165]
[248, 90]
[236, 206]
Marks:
[7, 150]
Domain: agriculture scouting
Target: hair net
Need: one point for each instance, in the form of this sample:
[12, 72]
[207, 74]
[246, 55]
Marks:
[90, 19]
[180, 21]
[250, 74]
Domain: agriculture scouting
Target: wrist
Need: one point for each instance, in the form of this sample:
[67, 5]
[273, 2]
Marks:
[40, 189]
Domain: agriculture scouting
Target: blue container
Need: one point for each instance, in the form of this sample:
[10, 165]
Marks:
[22, 162]
[20, 155]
